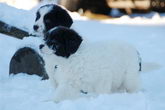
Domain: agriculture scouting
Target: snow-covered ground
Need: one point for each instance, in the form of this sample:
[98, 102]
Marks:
[147, 34]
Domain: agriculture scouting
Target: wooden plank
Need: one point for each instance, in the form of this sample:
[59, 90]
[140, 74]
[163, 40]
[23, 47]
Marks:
[131, 4]
[12, 31]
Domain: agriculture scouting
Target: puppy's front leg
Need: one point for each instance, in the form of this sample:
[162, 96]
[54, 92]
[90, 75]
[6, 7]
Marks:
[66, 92]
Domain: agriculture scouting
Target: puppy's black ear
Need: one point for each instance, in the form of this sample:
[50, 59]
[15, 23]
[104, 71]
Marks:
[72, 42]
[62, 17]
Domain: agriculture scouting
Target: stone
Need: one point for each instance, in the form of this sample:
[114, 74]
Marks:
[27, 60]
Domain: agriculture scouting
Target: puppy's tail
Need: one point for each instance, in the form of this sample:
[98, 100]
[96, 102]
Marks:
[147, 66]
[140, 61]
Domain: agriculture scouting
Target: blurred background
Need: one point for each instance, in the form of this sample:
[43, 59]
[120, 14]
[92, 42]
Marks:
[101, 8]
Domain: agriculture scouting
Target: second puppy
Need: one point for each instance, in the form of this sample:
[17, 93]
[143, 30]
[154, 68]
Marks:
[76, 66]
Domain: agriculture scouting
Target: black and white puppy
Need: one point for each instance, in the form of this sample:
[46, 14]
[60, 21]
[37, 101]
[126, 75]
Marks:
[50, 16]
[77, 67]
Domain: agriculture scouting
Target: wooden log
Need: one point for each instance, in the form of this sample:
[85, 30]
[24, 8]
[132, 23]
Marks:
[12, 31]
[131, 4]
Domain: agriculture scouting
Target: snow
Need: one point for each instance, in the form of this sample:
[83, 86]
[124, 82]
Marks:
[25, 4]
[145, 32]
[21, 4]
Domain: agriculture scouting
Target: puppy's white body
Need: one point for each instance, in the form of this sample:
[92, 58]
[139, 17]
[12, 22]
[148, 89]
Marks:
[95, 68]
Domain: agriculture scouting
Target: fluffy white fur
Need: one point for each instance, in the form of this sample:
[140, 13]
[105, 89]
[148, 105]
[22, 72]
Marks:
[99, 68]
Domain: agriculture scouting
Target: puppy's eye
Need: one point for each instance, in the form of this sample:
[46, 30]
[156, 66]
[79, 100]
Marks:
[47, 21]
[55, 47]
[51, 45]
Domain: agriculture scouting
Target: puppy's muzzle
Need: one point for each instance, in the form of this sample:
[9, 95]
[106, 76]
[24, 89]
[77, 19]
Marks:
[35, 27]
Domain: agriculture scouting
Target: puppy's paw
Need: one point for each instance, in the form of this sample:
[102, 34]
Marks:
[66, 92]
[58, 97]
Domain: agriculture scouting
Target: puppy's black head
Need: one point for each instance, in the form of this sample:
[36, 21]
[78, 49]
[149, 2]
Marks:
[50, 16]
[63, 41]
[57, 17]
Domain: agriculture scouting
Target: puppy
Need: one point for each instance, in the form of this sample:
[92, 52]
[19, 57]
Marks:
[77, 67]
[50, 16]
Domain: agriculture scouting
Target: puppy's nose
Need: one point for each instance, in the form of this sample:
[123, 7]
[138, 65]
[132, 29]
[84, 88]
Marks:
[41, 46]
[35, 27]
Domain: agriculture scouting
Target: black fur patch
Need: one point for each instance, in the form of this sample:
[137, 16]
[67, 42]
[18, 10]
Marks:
[37, 16]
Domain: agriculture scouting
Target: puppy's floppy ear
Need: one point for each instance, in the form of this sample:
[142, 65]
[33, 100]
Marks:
[62, 16]
[72, 42]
